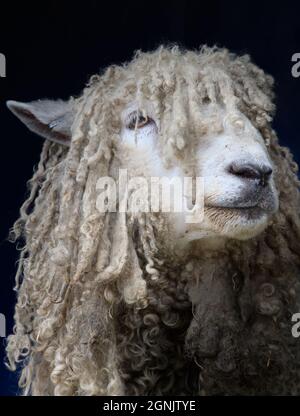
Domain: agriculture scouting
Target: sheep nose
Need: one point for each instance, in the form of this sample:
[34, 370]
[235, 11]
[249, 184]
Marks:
[262, 173]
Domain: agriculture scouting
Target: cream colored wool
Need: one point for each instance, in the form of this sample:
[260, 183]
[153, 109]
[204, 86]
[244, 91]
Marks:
[81, 269]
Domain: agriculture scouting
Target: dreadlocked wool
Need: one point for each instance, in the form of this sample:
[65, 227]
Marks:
[103, 308]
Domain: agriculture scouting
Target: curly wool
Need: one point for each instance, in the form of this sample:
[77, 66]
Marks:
[101, 308]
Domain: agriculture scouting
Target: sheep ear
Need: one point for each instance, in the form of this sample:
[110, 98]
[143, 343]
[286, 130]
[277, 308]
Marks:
[47, 118]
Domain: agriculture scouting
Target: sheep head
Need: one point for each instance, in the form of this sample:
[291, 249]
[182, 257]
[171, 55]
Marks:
[208, 137]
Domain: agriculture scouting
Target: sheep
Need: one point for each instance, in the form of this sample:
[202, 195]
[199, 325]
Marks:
[144, 303]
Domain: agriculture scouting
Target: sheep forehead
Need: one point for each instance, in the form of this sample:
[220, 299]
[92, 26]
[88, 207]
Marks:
[134, 106]
[217, 118]
[235, 122]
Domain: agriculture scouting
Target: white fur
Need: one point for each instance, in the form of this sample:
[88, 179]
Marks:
[213, 152]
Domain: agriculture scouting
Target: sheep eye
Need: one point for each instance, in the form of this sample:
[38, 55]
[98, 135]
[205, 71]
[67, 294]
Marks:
[138, 120]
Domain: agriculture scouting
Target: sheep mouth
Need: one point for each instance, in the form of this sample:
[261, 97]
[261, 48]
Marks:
[246, 212]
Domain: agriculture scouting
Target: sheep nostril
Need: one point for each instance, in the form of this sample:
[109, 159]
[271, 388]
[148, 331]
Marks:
[262, 173]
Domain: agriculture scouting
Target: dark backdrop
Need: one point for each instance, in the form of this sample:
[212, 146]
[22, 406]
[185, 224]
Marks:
[52, 49]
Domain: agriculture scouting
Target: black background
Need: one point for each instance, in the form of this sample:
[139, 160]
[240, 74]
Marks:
[53, 47]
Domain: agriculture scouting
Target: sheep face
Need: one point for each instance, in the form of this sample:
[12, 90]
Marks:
[232, 159]
[221, 147]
